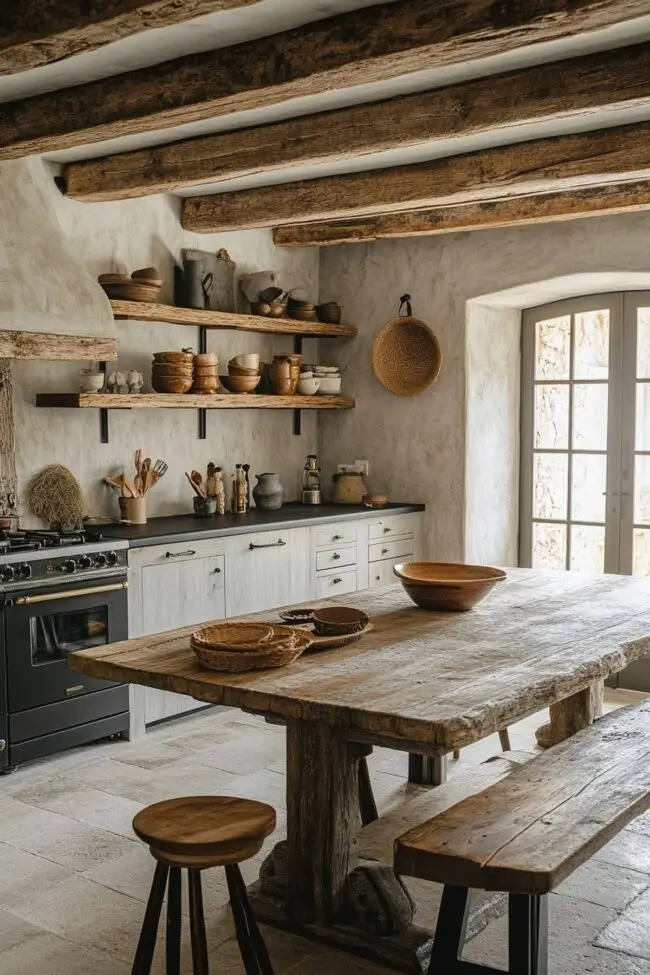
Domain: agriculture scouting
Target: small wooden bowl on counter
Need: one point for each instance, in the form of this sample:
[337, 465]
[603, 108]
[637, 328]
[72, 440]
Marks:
[446, 586]
[339, 621]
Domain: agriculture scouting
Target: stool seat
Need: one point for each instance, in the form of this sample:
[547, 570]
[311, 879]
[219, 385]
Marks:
[205, 830]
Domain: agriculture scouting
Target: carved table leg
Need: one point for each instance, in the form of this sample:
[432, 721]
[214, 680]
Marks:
[572, 715]
[427, 769]
[322, 819]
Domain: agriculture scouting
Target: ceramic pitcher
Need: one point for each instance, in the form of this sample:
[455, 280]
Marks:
[268, 493]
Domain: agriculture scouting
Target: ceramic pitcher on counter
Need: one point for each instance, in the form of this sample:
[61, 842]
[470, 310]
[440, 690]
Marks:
[268, 493]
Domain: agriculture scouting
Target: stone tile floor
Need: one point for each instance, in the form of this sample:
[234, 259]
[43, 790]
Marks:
[74, 880]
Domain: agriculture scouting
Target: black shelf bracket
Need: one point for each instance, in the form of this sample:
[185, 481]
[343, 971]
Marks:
[203, 414]
[103, 414]
[297, 414]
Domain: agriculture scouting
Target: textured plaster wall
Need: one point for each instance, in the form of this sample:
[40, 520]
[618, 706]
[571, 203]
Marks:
[417, 447]
[126, 236]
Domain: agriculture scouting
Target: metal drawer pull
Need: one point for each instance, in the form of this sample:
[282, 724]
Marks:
[337, 538]
[336, 556]
[386, 530]
[179, 555]
[50, 597]
[336, 581]
[385, 551]
[77, 689]
[277, 544]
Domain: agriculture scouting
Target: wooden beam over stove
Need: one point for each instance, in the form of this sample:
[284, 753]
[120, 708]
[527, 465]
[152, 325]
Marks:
[596, 83]
[369, 45]
[565, 162]
[486, 215]
[38, 32]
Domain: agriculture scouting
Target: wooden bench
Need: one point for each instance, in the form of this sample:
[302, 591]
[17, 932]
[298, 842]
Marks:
[528, 832]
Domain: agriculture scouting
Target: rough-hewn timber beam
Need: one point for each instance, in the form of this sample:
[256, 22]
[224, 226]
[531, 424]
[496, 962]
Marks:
[615, 155]
[38, 32]
[608, 81]
[372, 44]
[486, 215]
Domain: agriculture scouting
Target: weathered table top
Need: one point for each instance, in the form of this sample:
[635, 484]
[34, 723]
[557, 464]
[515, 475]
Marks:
[434, 680]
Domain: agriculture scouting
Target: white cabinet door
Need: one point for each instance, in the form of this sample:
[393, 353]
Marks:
[266, 570]
[182, 592]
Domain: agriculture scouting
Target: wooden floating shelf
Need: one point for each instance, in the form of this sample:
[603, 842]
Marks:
[52, 346]
[191, 401]
[141, 311]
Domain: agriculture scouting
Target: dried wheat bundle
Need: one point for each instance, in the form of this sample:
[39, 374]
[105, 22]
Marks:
[54, 495]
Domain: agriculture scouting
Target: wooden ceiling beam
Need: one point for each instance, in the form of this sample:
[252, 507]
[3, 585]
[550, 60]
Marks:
[598, 82]
[514, 211]
[38, 32]
[564, 162]
[368, 45]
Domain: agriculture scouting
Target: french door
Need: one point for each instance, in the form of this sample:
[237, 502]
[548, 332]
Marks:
[585, 479]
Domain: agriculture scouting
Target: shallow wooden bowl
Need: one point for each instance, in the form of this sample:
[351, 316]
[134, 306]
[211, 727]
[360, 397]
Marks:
[241, 384]
[339, 620]
[171, 384]
[446, 586]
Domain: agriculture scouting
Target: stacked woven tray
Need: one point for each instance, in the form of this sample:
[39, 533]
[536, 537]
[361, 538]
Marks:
[234, 647]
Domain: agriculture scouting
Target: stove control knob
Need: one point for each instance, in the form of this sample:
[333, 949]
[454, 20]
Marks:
[100, 560]
[68, 566]
[85, 562]
[111, 558]
[7, 573]
[24, 571]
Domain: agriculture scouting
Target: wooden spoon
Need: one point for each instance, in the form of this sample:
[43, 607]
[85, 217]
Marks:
[196, 490]
[197, 480]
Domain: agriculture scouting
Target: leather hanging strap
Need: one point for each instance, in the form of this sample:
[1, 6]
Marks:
[406, 300]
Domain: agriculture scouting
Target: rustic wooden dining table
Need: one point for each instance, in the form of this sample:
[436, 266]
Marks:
[423, 682]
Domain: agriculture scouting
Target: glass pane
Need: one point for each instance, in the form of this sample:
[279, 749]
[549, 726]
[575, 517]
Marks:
[552, 345]
[549, 546]
[587, 548]
[641, 565]
[643, 344]
[591, 345]
[552, 417]
[590, 417]
[550, 486]
[589, 483]
[642, 490]
[55, 635]
[642, 424]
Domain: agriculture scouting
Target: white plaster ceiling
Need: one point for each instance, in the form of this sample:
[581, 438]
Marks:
[270, 16]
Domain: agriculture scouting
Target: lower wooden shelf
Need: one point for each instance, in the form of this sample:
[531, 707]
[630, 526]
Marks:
[191, 401]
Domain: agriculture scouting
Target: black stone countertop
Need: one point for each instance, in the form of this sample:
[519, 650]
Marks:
[176, 528]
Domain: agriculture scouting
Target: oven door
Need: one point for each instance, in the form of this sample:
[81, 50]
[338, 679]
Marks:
[43, 626]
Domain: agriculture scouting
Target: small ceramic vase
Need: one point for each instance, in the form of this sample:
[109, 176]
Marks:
[268, 493]
[91, 381]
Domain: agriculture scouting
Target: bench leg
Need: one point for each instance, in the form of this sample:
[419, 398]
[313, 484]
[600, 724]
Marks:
[528, 934]
[427, 769]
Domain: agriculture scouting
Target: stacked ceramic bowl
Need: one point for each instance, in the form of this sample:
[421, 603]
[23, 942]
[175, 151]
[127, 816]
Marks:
[172, 372]
[244, 373]
[330, 380]
[206, 373]
[144, 285]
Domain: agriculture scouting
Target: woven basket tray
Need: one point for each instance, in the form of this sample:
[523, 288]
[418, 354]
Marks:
[406, 355]
[234, 636]
[235, 661]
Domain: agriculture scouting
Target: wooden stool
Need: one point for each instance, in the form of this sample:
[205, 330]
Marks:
[194, 833]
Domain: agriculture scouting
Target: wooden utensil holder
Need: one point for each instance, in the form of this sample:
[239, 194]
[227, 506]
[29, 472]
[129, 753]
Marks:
[134, 510]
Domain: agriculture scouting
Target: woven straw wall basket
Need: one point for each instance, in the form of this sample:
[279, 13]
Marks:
[406, 355]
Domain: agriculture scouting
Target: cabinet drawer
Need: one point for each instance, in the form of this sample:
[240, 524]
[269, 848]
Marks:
[336, 557]
[395, 525]
[176, 552]
[381, 574]
[390, 549]
[336, 584]
[334, 535]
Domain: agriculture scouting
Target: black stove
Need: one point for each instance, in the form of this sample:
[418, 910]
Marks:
[33, 540]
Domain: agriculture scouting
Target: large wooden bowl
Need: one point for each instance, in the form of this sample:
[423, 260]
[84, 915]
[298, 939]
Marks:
[446, 586]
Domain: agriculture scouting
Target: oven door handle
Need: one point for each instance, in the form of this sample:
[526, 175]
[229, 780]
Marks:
[67, 594]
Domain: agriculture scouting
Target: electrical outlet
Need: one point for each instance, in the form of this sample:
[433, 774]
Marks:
[346, 468]
[363, 466]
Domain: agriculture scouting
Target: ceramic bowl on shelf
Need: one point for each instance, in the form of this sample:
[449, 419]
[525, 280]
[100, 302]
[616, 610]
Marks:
[308, 386]
[330, 385]
[171, 384]
[240, 384]
[447, 586]
[249, 360]
[179, 358]
[171, 369]
[241, 370]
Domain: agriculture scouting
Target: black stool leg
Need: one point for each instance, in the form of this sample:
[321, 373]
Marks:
[147, 941]
[367, 804]
[450, 932]
[173, 938]
[239, 895]
[197, 925]
[528, 934]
